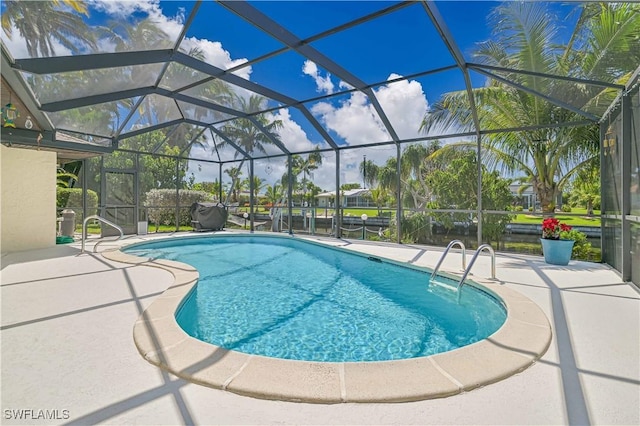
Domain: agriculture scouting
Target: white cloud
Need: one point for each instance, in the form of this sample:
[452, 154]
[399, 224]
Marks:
[324, 84]
[124, 9]
[344, 85]
[356, 121]
[213, 51]
[405, 104]
[291, 134]
[296, 139]
[215, 54]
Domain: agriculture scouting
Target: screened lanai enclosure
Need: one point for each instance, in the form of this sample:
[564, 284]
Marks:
[407, 122]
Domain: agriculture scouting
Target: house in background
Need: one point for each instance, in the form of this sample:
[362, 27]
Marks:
[528, 198]
[350, 198]
[525, 199]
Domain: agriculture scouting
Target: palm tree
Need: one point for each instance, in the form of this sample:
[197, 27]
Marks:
[41, 23]
[258, 184]
[244, 133]
[311, 191]
[65, 179]
[274, 193]
[234, 173]
[306, 166]
[585, 189]
[387, 177]
[379, 195]
[547, 158]
[144, 34]
[369, 171]
[416, 162]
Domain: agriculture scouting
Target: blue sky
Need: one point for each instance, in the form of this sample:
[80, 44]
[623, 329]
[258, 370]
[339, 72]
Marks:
[401, 43]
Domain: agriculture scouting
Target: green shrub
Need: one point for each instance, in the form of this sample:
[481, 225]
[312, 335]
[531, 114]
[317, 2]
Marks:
[72, 198]
[530, 209]
[415, 227]
[161, 205]
[581, 247]
[518, 208]
[566, 208]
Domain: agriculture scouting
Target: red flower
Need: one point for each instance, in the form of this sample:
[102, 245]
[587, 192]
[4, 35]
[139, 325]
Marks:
[551, 228]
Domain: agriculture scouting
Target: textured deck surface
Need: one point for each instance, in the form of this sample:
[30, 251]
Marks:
[67, 344]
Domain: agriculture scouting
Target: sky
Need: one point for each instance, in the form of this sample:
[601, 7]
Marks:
[389, 47]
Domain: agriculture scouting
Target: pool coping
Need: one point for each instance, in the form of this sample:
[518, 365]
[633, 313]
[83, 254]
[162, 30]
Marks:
[523, 338]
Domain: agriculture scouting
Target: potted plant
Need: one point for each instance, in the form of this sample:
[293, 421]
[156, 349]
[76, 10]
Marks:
[557, 245]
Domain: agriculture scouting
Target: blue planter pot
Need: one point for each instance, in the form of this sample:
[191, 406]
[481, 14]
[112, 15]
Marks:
[557, 252]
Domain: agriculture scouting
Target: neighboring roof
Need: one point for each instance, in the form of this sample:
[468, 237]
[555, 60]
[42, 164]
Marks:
[515, 187]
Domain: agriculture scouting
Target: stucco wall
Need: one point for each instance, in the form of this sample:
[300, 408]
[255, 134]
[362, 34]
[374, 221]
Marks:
[28, 188]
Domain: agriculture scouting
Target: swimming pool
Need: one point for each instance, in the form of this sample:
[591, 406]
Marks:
[293, 299]
[523, 338]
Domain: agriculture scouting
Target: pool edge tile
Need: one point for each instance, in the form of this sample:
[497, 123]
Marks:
[301, 381]
[396, 381]
[155, 336]
[481, 364]
[202, 363]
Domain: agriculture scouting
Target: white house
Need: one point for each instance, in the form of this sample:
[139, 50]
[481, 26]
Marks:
[350, 198]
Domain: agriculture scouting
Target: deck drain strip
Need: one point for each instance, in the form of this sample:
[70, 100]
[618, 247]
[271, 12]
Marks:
[445, 374]
[236, 374]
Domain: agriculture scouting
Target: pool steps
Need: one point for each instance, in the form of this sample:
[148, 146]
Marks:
[473, 260]
[446, 251]
[466, 269]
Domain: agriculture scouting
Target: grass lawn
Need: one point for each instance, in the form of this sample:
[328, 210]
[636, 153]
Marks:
[577, 217]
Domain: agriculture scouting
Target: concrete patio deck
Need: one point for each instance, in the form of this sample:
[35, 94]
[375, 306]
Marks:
[67, 344]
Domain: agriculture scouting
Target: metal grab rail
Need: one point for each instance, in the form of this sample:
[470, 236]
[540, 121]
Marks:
[99, 219]
[473, 260]
[446, 251]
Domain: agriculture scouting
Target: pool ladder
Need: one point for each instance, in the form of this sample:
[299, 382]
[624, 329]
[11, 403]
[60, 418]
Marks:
[466, 269]
[446, 251]
[99, 219]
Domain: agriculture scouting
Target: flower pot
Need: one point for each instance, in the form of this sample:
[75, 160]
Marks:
[557, 252]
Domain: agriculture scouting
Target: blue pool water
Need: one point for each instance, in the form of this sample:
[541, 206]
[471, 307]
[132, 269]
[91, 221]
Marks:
[286, 298]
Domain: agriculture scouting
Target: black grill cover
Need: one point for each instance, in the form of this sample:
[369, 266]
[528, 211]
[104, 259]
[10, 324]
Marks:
[208, 216]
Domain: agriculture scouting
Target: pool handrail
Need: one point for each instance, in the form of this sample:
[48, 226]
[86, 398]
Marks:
[444, 254]
[473, 260]
[99, 219]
